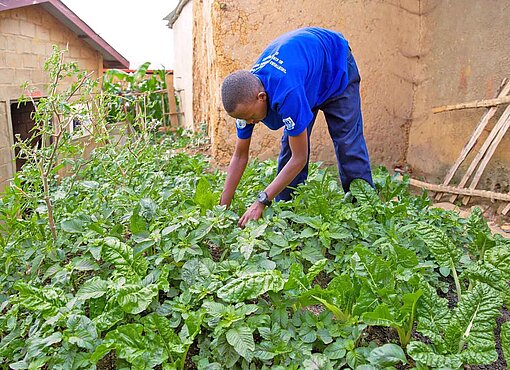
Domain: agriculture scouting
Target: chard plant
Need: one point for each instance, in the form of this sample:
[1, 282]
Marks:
[462, 336]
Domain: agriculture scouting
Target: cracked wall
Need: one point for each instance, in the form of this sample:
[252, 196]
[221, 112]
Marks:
[412, 55]
[464, 58]
[386, 60]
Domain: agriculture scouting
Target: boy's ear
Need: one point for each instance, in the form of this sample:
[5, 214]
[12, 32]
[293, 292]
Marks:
[262, 96]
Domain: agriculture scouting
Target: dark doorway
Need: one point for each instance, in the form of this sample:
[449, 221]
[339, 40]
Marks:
[22, 125]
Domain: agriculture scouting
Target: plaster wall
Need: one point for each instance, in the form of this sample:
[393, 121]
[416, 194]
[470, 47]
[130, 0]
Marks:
[413, 55]
[26, 38]
[183, 63]
[206, 81]
[465, 57]
[378, 32]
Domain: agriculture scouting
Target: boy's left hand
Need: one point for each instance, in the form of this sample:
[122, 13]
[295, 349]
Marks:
[253, 213]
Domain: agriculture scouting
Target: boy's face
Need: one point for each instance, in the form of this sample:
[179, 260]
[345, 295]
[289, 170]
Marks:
[253, 111]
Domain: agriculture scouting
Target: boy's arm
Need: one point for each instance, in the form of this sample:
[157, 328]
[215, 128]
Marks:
[299, 147]
[235, 170]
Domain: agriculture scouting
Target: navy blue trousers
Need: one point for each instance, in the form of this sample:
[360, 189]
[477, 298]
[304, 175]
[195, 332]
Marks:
[345, 126]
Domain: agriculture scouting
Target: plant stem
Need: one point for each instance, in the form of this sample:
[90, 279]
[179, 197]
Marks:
[457, 282]
[49, 206]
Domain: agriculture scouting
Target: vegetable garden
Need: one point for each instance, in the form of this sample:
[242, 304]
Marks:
[129, 263]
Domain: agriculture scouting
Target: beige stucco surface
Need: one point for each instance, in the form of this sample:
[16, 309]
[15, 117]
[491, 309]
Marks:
[412, 55]
[384, 51]
[26, 39]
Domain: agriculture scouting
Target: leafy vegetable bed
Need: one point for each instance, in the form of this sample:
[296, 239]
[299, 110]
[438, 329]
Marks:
[147, 272]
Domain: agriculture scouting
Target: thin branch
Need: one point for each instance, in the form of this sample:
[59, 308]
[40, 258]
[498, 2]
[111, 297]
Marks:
[473, 104]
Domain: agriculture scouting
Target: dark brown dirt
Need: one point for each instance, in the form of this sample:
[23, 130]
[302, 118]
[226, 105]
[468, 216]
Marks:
[193, 351]
[108, 362]
[215, 251]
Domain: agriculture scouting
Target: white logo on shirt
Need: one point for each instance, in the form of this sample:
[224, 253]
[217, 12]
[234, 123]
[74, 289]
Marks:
[289, 123]
[240, 123]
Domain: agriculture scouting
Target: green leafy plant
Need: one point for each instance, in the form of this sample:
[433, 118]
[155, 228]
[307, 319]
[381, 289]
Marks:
[464, 336]
[147, 271]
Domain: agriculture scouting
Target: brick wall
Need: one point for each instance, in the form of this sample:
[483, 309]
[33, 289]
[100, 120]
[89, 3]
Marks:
[26, 39]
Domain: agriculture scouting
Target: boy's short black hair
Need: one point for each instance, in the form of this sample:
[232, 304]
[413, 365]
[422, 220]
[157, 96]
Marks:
[238, 87]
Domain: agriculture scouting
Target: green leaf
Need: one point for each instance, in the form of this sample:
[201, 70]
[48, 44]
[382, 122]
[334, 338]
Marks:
[251, 285]
[373, 270]
[204, 196]
[381, 316]
[480, 232]
[405, 257]
[425, 354]
[141, 351]
[84, 263]
[135, 299]
[317, 361]
[468, 334]
[37, 345]
[92, 288]
[485, 272]
[137, 223]
[499, 257]
[277, 239]
[297, 281]
[364, 193]
[315, 270]
[335, 350]
[81, 331]
[307, 232]
[505, 340]
[215, 309]
[148, 208]
[433, 314]
[339, 314]
[48, 300]
[227, 352]
[161, 325]
[74, 225]
[387, 355]
[241, 338]
[443, 249]
[473, 324]
[312, 254]
[121, 256]
[111, 315]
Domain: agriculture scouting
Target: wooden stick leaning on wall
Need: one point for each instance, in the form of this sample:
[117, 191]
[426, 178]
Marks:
[474, 104]
[460, 191]
[506, 209]
[504, 90]
[172, 106]
[481, 152]
[492, 148]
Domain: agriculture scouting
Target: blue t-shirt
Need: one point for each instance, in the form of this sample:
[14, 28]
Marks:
[299, 70]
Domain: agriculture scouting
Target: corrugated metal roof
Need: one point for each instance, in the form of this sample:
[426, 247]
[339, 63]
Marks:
[111, 57]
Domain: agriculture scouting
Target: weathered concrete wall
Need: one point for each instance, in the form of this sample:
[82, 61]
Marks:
[384, 47]
[26, 38]
[412, 55]
[183, 65]
[465, 57]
